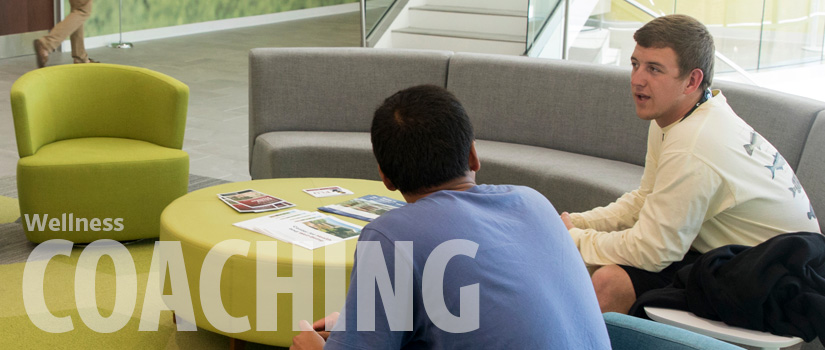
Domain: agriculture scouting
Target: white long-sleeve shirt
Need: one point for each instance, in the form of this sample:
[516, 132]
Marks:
[709, 180]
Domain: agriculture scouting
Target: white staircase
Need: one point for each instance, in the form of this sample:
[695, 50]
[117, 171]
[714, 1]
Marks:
[482, 26]
[590, 42]
[592, 45]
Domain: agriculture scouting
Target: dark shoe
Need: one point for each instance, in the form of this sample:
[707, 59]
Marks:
[41, 53]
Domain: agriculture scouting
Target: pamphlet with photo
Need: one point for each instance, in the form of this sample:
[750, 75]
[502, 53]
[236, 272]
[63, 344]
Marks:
[365, 208]
[327, 191]
[251, 201]
[310, 230]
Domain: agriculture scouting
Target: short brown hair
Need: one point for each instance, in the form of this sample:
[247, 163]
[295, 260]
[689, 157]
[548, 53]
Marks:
[689, 38]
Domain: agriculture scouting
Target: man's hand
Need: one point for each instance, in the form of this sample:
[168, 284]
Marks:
[325, 323]
[565, 217]
[308, 339]
[314, 336]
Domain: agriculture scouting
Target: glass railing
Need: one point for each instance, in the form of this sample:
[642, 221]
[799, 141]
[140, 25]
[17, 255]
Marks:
[749, 34]
[373, 11]
[539, 13]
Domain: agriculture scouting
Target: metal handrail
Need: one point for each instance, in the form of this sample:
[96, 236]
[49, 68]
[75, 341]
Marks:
[371, 34]
[363, 23]
[718, 55]
[566, 30]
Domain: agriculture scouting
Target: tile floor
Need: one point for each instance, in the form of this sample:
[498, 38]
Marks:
[214, 65]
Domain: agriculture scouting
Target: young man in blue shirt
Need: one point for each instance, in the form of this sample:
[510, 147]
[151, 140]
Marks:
[471, 266]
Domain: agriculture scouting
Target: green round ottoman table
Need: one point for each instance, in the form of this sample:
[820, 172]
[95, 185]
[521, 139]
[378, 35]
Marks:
[202, 223]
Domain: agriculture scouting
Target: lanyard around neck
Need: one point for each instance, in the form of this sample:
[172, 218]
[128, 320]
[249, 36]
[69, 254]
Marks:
[705, 96]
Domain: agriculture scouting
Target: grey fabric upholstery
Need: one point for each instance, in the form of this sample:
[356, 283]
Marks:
[794, 125]
[322, 89]
[781, 118]
[567, 129]
[282, 154]
[811, 171]
[562, 105]
[572, 182]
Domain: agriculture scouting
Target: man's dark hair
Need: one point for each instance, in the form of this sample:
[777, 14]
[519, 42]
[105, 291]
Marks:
[689, 38]
[421, 138]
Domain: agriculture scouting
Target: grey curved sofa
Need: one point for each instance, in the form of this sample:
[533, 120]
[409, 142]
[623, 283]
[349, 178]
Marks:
[567, 129]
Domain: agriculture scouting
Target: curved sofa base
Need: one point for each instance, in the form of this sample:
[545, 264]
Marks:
[565, 178]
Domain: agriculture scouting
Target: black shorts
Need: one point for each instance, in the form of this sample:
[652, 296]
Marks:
[644, 281]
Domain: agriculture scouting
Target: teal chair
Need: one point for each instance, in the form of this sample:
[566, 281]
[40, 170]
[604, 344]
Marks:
[720, 330]
[100, 150]
[633, 333]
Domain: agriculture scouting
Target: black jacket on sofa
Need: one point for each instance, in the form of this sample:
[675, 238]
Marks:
[777, 286]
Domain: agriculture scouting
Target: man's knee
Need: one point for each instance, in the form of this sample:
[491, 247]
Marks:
[614, 289]
[81, 7]
[82, 13]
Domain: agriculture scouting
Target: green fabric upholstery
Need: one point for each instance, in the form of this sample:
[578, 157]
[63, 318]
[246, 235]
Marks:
[99, 141]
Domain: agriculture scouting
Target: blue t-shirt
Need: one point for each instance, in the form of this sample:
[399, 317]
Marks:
[502, 244]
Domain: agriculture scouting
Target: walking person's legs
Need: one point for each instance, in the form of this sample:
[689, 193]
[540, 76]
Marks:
[79, 46]
[72, 26]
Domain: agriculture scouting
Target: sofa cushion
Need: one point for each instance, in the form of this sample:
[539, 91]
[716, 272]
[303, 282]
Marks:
[568, 106]
[556, 174]
[282, 154]
[572, 182]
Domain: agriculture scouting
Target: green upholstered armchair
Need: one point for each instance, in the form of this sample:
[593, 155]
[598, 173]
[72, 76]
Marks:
[100, 150]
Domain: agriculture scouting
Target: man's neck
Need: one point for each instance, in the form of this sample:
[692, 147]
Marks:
[462, 183]
[683, 110]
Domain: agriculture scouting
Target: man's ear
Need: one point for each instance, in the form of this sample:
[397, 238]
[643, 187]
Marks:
[474, 162]
[387, 183]
[694, 80]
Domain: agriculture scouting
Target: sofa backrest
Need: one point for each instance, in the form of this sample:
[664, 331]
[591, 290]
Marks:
[324, 89]
[783, 119]
[794, 125]
[562, 105]
[568, 106]
[811, 171]
[512, 99]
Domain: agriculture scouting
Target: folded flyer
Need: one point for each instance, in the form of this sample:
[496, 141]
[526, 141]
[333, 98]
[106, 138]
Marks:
[310, 230]
[327, 191]
[365, 208]
[251, 201]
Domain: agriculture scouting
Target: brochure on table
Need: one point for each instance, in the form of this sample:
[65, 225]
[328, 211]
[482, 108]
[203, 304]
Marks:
[327, 191]
[365, 208]
[310, 230]
[251, 201]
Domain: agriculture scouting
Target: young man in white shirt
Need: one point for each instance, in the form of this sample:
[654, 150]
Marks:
[710, 179]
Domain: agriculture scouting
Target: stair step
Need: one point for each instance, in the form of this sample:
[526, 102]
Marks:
[519, 5]
[592, 38]
[468, 20]
[471, 10]
[463, 35]
[416, 41]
